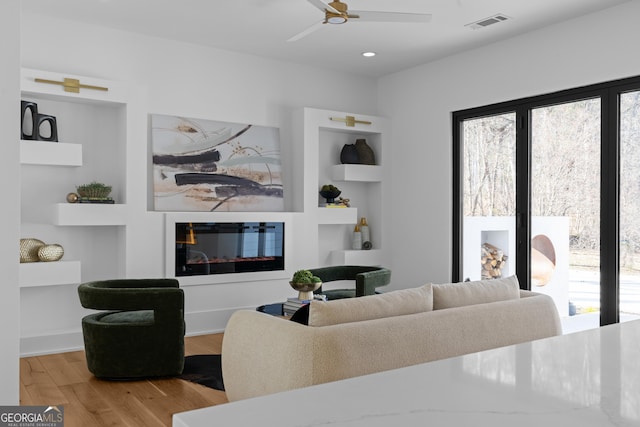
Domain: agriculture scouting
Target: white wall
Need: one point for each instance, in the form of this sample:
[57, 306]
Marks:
[168, 77]
[590, 49]
[9, 246]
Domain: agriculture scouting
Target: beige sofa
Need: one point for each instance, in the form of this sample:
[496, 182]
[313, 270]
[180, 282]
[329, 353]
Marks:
[263, 354]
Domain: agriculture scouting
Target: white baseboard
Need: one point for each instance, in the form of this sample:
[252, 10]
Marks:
[51, 343]
[198, 323]
[209, 322]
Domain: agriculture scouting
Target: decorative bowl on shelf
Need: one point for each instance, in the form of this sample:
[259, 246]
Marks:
[49, 253]
[29, 250]
[330, 195]
[305, 290]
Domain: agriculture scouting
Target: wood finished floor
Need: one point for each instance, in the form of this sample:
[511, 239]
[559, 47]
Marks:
[63, 379]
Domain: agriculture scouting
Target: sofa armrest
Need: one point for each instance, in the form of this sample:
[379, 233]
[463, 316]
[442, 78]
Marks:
[548, 323]
[264, 354]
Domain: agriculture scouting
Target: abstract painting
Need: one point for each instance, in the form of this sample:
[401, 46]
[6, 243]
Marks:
[206, 165]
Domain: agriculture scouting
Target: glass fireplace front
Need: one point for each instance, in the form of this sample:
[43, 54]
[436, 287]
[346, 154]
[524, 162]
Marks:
[228, 247]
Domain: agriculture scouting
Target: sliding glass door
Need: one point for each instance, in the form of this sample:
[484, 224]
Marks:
[629, 205]
[565, 209]
[489, 198]
[548, 188]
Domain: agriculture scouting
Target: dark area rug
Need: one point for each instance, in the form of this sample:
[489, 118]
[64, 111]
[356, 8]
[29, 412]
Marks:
[204, 369]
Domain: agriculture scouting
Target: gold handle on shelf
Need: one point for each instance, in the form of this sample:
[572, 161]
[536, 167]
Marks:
[349, 121]
[71, 85]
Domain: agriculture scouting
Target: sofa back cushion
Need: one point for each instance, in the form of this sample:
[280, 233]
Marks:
[478, 292]
[394, 303]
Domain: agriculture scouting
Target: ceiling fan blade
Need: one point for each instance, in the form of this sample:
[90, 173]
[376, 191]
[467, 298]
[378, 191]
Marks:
[324, 6]
[306, 32]
[370, 16]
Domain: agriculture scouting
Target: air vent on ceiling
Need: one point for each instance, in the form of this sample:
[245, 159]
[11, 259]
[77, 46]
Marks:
[495, 19]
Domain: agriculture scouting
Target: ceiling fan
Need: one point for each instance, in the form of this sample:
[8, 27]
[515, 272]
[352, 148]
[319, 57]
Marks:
[337, 12]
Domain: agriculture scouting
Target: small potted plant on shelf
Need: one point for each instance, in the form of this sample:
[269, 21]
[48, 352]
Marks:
[305, 283]
[94, 192]
[330, 192]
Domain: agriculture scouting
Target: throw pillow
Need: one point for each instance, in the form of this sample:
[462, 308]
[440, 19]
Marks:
[394, 303]
[479, 292]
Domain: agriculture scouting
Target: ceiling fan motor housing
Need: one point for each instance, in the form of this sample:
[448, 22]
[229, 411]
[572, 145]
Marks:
[335, 18]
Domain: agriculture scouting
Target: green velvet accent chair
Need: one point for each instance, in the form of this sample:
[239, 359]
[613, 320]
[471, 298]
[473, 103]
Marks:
[142, 333]
[366, 278]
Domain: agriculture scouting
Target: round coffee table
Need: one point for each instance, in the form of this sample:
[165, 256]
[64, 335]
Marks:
[274, 309]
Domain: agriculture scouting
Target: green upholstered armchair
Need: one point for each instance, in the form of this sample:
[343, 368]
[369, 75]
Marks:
[142, 334]
[367, 279]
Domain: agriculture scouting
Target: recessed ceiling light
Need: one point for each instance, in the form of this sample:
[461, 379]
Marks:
[368, 54]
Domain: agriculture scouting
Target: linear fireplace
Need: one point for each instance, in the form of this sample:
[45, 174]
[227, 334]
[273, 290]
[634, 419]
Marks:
[204, 248]
[236, 248]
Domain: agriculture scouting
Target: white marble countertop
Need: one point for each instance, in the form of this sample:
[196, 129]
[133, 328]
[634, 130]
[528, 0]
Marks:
[585, 379]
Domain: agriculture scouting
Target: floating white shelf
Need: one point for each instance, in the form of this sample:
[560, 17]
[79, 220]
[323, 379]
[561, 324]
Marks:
[50, 153]
[355, 257]
[337, 215]
[35, 274]
[89, 214]
[364, 173]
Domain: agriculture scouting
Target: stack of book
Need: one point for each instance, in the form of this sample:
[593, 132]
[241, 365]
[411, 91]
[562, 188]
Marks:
[292, 305]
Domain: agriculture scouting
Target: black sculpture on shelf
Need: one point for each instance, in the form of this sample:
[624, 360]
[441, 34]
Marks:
[29, 118]
[32, 124]
[45, 119]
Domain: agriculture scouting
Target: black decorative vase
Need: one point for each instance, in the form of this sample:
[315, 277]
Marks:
[29, 120]
[349, 154]
[365, 153]
[47, 120]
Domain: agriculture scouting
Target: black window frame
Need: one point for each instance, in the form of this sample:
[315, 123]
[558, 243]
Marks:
[609, 94]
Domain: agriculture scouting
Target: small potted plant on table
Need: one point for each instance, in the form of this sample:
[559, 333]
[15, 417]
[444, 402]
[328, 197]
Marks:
[305, 283]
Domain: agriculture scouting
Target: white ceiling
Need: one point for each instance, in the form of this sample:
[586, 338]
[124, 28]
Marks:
[262, 27]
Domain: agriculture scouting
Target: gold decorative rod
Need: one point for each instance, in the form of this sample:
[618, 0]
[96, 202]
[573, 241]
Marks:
[71, 85]
[349, 121]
